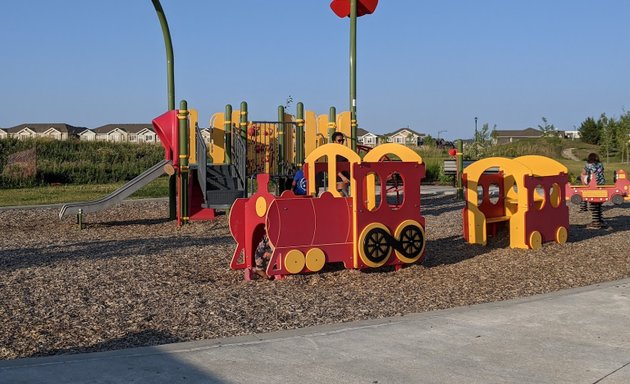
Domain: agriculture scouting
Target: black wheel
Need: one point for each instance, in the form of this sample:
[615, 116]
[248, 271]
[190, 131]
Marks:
[617, 199]
[411, 241]
[376, 246]
[576, 199]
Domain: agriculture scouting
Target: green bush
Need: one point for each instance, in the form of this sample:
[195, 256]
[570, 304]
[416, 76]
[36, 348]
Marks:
[78, 162]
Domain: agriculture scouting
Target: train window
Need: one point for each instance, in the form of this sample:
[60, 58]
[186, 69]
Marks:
[493, 192]
[395, 190]
[373, 191]
[479, 195]
[539, 197]
[554, 195]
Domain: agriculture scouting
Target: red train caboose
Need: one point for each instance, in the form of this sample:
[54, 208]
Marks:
[376, 226]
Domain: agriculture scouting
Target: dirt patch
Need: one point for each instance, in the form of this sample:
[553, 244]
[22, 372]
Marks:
[132, 278]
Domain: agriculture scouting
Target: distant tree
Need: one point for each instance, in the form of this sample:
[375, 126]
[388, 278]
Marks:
[429, 141]
[623, 137]
[590, 131]
[483, 134]
[607, 135]
[547, 129]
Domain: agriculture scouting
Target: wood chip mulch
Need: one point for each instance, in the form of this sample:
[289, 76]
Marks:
[133, 278]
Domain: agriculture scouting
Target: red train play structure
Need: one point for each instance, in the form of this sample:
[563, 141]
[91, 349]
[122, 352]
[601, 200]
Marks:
[380, 224]
[616, 193]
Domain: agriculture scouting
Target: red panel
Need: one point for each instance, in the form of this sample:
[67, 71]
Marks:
[298, 221]
[166, 126]
[492, 210]
[412, 174]
[291, 222]
[548, 219]
[342, 7]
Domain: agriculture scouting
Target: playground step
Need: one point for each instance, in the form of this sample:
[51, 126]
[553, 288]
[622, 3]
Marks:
[221, 177]
[222, 199]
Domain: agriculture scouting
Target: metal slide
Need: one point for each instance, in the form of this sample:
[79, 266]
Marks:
[118, 195]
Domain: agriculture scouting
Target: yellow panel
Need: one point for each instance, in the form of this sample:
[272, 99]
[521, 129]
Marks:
[476, 219]
[542, 166]
[311, 139]
[217, 120]
[217, 144]
[330, 151]
[344, 123]
[595, 194]
[403, 152]
[322, 128]
[193, 118]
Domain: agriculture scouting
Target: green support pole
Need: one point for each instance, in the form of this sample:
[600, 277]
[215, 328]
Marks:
[299, 135]
[332, 122]
[182, 117]
[172, 180]
[227, 138]
[459, 158]
[353, 73]
[243, 133]
[281, 143]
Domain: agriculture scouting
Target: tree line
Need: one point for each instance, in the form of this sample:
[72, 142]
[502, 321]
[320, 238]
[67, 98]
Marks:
[611, 134]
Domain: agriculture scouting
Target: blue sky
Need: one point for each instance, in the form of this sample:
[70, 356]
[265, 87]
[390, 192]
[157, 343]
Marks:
[430, 65]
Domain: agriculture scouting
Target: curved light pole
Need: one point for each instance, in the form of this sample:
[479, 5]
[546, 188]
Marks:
[170, 78]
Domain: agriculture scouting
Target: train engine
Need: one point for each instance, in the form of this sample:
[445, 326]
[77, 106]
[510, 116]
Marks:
[379, 224]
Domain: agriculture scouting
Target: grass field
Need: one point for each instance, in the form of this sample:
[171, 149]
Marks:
[71, 193]
[433, 159]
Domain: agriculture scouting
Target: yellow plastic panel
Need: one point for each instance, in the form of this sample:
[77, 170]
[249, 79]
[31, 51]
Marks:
[330, 151]
[322, 129]
[403, 152]
[541, 165]
[311, 139]
[193, 119]
[344, 123]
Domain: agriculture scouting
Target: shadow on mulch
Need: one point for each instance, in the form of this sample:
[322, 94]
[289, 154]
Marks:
[580, 232]
[87, 224]
[134, 339]
[435, 206]
[13, 259]
[459, 250]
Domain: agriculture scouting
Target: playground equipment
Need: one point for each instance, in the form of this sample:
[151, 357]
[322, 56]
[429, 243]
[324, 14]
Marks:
[616, 193]
[362, 231]
[527, 193]
[238, 152]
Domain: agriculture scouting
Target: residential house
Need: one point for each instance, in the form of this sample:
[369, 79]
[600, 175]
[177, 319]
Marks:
[573, 135]
[57, 131]
[3, 133]
[87, 135]
[509, 136]
[366, 138]
[406, 136]
[133, 133]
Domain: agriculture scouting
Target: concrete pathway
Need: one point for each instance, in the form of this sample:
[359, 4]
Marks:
[574, 336]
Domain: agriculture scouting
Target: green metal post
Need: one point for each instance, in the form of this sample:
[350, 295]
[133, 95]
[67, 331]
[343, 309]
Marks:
[243, 133]
[299, 135]
[281, 143]
[170, 77]
[459, 158]
[353, 73]
[182, 117]
[332, 122]
[227, 138]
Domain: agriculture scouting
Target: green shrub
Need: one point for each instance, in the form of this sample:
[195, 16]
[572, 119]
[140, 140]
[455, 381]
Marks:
[78, 162]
